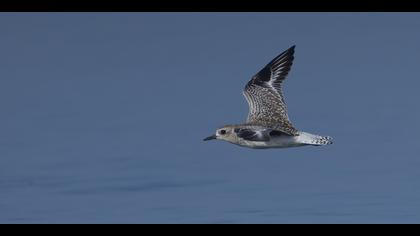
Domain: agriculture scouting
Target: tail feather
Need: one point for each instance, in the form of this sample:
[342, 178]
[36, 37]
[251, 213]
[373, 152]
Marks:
[321, 140]
[315, 140]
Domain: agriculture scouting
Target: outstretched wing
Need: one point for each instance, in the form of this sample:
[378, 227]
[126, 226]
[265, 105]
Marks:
[265, 97]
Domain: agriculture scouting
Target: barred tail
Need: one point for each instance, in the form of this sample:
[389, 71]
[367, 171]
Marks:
[315, 140]
[322, 140]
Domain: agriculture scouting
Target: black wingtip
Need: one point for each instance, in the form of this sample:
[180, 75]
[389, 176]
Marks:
[290, 51]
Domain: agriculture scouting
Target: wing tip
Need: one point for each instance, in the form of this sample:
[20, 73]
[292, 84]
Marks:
[284, 60]
[291, 50]
[286, 54]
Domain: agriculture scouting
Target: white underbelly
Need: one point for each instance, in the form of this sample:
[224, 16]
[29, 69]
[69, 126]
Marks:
[279, 142]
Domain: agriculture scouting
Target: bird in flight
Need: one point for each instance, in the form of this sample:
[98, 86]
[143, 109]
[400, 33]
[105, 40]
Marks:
[268, 125]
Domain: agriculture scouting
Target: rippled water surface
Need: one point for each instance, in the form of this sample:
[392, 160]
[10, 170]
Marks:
[103, 116]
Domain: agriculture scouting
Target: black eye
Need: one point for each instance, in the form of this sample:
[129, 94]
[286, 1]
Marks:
[222, 131]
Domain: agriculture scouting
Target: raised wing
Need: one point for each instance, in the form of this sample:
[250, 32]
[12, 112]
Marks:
[265, 97]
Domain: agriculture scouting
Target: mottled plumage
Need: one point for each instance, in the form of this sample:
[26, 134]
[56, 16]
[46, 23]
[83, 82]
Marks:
[265, 97]
[268, 125]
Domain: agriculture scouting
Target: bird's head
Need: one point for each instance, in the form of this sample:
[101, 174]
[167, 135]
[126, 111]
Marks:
[224, 133]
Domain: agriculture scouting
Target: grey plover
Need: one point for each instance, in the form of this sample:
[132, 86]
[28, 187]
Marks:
[268, 125]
